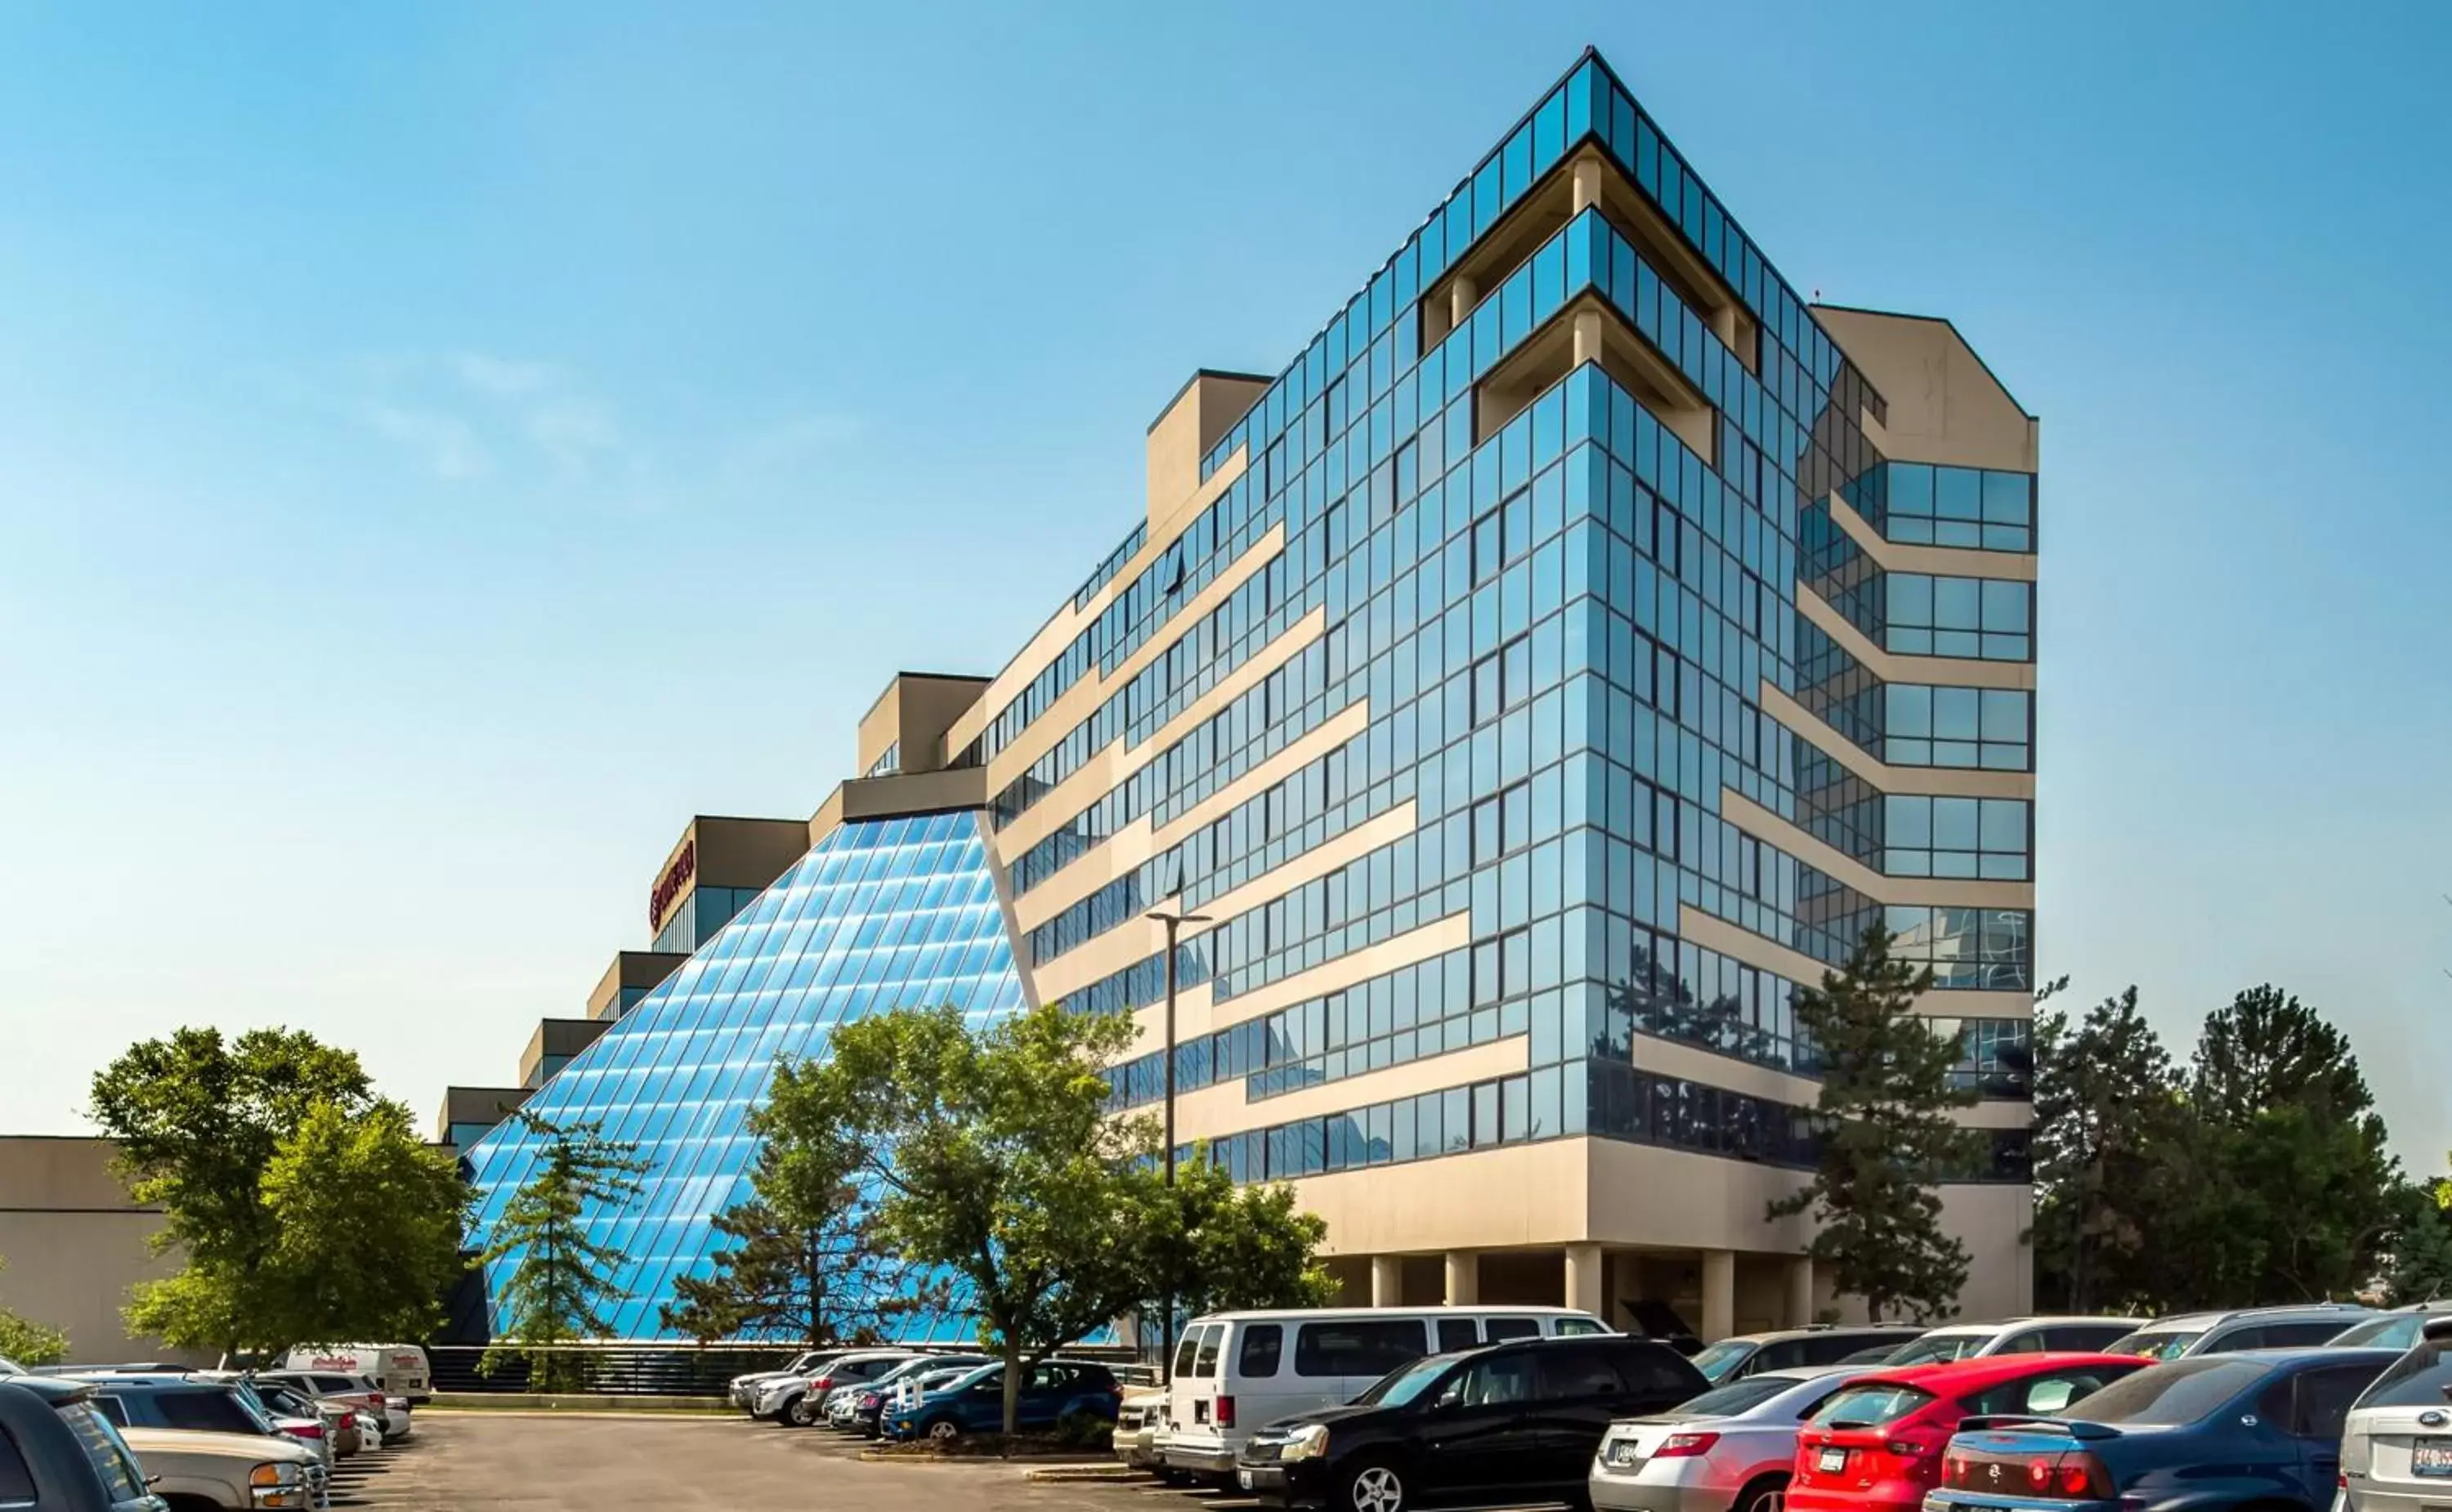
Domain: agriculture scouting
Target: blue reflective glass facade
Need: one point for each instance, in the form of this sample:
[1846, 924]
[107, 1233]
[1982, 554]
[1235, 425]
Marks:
[879, 916]
[1537, 633]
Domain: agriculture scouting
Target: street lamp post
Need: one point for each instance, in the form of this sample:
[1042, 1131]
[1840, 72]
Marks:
[1173, 922]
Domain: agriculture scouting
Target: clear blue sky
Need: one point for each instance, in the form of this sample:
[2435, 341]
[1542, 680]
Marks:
[444, 446]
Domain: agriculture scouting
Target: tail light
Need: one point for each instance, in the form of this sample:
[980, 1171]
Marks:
[2068, 1475]
[307, 1430]
[1221, 1412]
[1912, 1448]
[1685, 1446]
[822, 1384]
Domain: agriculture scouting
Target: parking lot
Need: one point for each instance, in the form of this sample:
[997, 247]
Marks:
[572, 1463]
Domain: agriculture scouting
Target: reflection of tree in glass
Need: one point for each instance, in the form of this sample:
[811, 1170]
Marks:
[1654, 999]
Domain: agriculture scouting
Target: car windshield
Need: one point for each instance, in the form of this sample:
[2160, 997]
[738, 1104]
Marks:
[2169, 1395]
[11, 1367]
[1737, 1396]
[2156, 1343]
[973, 1376]
[1716, 1361]
[1871, 1406]
[1936, 1348]
[1400, 1387]
[2396, 1330]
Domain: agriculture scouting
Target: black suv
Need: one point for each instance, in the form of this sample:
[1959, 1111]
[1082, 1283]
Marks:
[1513, 1423]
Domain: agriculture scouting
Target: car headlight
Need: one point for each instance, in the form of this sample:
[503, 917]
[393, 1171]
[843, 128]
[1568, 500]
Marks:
[278, 1485]
[1310, 1442]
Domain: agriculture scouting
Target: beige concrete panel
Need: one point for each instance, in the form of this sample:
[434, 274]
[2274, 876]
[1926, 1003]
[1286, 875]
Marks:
[1196, 1013]
[1947, 562]
[1996, 1113]
[72, 1270]
[1514, 1194]
[913, 713]
[1035, 653]
[1942, 891]
[1079, 701]
[1217, 1110]
[747, 853]
[1712, 933]
[1669, 1057]
[1956, 672]
[1676, 1199]
[1945, 405]
[46, 1172]
[910, 793]
[1960, 782]
[631, 969]
[1195, 420]
[1991, 1221]
[476, 1105]
[1137, 940]
[558, 1036]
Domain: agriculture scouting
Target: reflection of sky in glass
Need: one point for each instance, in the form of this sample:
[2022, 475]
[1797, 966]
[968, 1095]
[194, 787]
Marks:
[893, 913]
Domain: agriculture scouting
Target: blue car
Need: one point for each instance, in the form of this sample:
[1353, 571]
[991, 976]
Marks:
[1056, 1389]
[2212, 1433]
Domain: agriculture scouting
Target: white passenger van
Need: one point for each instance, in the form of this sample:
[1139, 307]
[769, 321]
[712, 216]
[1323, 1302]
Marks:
[397, 1370]
[1237, 1371]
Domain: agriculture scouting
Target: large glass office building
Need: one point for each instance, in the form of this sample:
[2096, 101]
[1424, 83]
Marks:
[1572, 649]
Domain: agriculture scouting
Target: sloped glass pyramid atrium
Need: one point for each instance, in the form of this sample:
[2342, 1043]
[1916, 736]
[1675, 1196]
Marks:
[880, 915]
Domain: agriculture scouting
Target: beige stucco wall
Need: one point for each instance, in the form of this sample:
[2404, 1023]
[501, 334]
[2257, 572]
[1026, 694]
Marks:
[1945, 405]
[75, 1243]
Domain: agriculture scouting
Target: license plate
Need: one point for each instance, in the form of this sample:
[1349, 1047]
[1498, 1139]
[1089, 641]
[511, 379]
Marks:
[2431, 1456]
[1243, 1479]
[1830, 1462]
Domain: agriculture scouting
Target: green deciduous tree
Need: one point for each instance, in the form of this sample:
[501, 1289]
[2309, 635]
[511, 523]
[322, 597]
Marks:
[30, 1342]
[2108, 1123]
[2421, 1265]
[561, 1279]
[1215, 1247]
[804, 1263]
[370, 1222]
[993, 1156]
[1886, 1136]
[202, 1124]
[2285, 1190]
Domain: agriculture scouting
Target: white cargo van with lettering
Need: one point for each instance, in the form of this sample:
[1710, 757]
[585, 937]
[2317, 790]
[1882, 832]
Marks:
[399, 1369]
[1237, 1371]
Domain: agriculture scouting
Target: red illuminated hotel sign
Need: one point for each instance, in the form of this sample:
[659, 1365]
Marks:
[668, 887]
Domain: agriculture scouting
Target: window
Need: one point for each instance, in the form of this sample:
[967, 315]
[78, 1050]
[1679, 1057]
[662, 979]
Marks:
[1960, 506]
[1779, 1356]
[1955, 727]
[1955, 837]
[206, 1411]
[1737, 1396]
[2292, 1335]
[2182, 1391]
[2030, 1342]
[1871, 1407]
[1651, 1368]
[1360, 1347]
[1458, 1333]
[105, 1451]
[114, 1409]
[1500, 1330]
[1187, 1350]
[1262, 1343]
[16, 1482]
[2040, 1394]
[2083, 1338]
[1205, 1364]
[1576, 1329]
[1493, 1382]
[1575, 1375]
[1829, 1348]
[1989, 618]
[2323, 1398]
[2421, 1377]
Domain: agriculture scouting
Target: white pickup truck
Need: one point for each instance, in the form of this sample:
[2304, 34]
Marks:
[228, 1472]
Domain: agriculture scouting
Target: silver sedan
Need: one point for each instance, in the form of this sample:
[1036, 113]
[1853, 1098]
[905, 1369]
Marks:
[1728, 1450]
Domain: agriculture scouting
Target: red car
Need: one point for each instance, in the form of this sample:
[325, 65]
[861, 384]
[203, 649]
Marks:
[1876, 1446]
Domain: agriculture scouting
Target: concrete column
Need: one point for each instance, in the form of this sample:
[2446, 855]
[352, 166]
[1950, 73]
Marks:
[1588, 337]
[1464, 1278]
[1585, 1271]
[1800, 1292]
[1587, 181]
[1719, 1295]
[1386, 1281]
[1462, 296]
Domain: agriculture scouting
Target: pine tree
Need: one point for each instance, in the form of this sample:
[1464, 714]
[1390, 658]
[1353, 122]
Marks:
[563, 1279]
[1886, 1136]
[804, 1266]
[2107, 1128]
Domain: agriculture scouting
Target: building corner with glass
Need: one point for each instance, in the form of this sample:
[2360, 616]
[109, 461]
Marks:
[1568, 652]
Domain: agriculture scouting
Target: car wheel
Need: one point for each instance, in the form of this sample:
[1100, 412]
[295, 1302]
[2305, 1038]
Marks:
[1770, 1493]
[1373, 1485]
[945, 1430]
